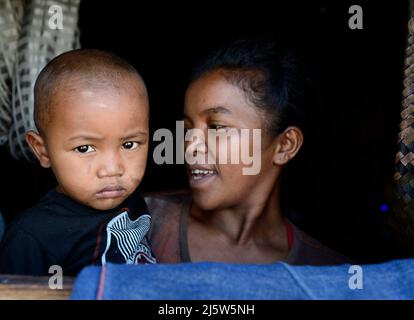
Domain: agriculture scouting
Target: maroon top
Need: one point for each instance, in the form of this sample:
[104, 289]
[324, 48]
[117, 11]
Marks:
[168, 235]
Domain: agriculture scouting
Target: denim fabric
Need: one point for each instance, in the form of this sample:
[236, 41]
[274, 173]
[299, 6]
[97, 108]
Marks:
[391, 280]
[87, 284]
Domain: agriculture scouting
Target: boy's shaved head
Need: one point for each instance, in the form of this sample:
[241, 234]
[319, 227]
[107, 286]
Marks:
[81, 69]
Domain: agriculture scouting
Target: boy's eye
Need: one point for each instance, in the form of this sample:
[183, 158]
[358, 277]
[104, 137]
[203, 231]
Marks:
[84, 149]
[130, 145]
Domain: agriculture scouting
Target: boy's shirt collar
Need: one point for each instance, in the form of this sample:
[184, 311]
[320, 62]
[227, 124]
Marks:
[135, 204]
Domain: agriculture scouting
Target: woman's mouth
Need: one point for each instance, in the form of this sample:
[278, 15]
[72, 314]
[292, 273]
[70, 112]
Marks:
[201, 176]
[111, 192]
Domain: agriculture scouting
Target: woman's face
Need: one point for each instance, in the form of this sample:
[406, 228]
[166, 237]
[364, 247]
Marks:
[212, 102]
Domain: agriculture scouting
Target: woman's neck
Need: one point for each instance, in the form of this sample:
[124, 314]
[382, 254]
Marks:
[258, 220]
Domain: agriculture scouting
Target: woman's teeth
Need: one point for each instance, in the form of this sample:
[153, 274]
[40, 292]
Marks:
[197, 171]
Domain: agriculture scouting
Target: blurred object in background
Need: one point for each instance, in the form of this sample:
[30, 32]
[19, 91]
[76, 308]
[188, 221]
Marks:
[403, 220]
[11, 13]
[31, 34]
[2, 226]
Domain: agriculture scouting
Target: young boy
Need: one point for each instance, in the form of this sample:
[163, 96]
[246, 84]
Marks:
[91, 112]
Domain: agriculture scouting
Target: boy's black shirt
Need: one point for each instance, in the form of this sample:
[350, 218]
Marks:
[60, 231]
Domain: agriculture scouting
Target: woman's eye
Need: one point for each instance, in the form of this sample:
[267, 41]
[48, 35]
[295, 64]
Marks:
[217, 126]
[130, 145]
[84, 149]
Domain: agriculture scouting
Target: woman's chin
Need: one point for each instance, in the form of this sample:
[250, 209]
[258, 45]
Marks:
[204, 201]
[216, 200]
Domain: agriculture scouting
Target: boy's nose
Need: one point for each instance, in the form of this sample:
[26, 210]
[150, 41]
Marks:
[111, 166]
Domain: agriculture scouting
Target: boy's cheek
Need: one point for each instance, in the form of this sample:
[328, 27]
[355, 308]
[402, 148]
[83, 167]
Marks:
[139, 164]
[137, 175]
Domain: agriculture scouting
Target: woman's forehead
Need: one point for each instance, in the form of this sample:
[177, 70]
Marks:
[213, 94]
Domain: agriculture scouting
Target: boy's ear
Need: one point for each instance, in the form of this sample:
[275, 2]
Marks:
[288, 144]
[37, 144]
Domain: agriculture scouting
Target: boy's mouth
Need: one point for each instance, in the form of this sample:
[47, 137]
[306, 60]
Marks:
[111, 192]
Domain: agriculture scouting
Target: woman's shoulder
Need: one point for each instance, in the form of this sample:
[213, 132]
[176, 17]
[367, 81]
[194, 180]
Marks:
[306, 250]
[166, 203]
[166, 211]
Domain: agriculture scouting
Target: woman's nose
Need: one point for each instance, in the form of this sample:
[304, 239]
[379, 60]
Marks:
[195, 146]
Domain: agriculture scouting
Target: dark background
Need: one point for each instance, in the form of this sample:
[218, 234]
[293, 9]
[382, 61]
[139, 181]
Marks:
[338, 186]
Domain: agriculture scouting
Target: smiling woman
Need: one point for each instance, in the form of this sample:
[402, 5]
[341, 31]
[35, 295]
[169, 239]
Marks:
[230, 216]
[237, 141]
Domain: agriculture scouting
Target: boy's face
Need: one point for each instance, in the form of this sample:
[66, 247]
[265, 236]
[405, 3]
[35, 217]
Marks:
[97, 144]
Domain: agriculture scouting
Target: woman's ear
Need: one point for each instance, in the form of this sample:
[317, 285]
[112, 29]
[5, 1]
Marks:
[288, 144]
[37, 144]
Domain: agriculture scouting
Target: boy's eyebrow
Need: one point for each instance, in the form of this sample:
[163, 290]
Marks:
[142, 134]
[85, 137]
[98, 138]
